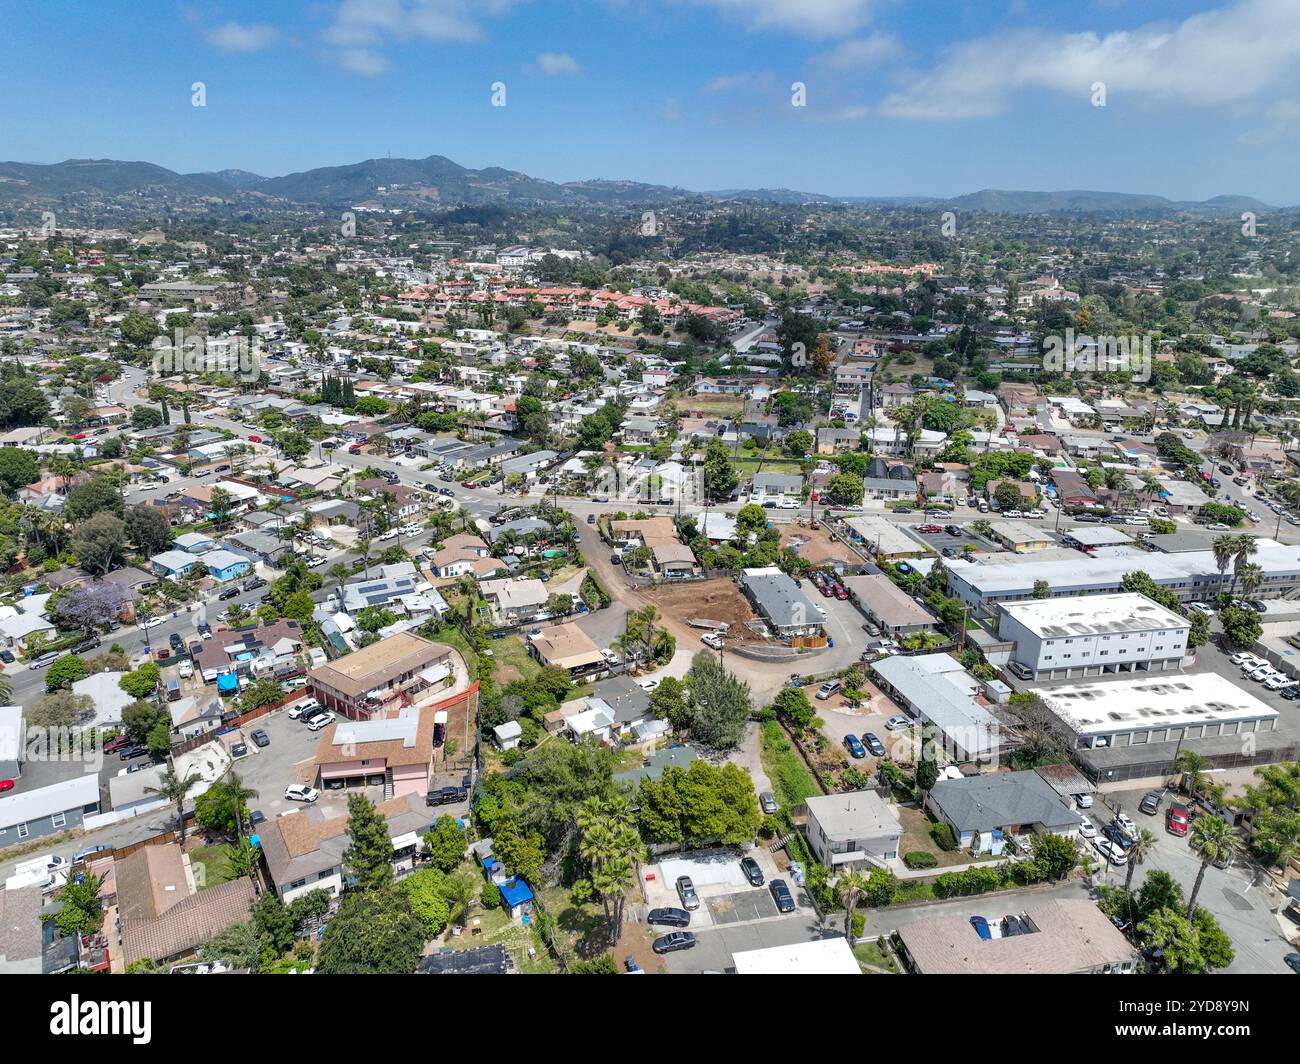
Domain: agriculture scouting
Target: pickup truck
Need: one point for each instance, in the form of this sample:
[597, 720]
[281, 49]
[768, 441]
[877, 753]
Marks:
[446, 795]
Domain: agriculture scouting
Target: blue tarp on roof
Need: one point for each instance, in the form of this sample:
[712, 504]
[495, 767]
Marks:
[516, 891]
[226, 682]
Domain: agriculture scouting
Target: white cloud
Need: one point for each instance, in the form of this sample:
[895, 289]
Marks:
[862, 52]
[1213, 58]
[557, 64]
[236, 37]
[806, 18]
[749, 81]
[362, 27]
[364, 61]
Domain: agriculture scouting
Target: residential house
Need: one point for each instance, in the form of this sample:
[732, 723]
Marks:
[856, 829]
[983, 811]
[49, 810]
[391, 673]
[568, 647]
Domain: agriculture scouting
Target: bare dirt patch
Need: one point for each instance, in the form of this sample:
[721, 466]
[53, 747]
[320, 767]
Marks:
[817, 546]
[715, 600]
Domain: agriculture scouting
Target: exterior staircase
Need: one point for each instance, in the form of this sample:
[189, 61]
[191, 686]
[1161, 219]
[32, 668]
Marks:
[388, 784]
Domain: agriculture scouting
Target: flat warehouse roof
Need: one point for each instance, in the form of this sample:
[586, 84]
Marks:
[1083, 615]
[1132, 705]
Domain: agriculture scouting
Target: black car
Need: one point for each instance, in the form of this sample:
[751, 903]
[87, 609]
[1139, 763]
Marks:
[953, 530]
[7, 657]
[1292, 961]
[260, 738]
[874, 744]
[177, 643]
[229, 715]
[86, 645]
[229, 593]
[1291, 692]
[446, 795]
[669, 917]
[254, 584]
[674, 941]
[256, 817]
[782, 896]
[448, 492]
[205, 628]
[131, 751]
[1116, 836]
[752, 872]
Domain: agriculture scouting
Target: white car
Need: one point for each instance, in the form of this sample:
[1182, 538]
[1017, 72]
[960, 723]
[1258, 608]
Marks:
[1114, 854]
[648, 685]
[323, 721]
[1241, 657]
[301, 793]
[1201, 607]
[413, 530]
[1276, 682]
[152, 622]
[392, 533]
[1124, 823]
[299, 708]
[1087, 829]
[1013, 513]
[315, 562]
[712, 640]
[1035, 513]
[1260, 673]
[897, 723]
[1083, 801]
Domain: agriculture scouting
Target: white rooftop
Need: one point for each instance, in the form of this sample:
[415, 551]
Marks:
[823, 956]
[1171, 701]
[1082, 615]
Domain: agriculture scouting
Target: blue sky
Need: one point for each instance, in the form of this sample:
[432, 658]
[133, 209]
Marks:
[1202, 97]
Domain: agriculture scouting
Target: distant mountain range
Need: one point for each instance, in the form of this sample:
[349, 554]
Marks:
[437, 182]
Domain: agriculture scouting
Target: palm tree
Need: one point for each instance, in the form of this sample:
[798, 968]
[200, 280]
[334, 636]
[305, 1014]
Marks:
[1252, 576]
[6, 689]
[233, 788]
[339, 573]
[1224, 547]
[1212, 841]
[1192, 765]
[1143, 843]
[851, 886]
[174, 789]
[611, 845]
[1246, 548]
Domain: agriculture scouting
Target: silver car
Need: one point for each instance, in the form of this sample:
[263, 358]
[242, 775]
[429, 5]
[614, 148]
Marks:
[767, 803]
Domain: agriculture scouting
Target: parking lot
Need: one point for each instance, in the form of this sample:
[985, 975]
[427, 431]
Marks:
[937, 541]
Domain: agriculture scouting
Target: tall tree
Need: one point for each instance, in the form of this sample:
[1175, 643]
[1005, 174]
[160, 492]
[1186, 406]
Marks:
[369, 856]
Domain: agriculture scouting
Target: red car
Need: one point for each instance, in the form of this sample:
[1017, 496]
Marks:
[115, 743]
[930, 529]
[842, 593]
[825, 589]
[1176, 820]
[355, 449]
[466, 484]
[164, 653]
[6, 785]
[254, 439]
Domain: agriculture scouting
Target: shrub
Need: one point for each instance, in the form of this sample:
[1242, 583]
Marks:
[920, 859]
[943, 836]
[491, 897]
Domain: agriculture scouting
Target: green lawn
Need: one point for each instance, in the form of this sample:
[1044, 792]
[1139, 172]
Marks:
[871, 953]
[509, 652]
[792, 783]
[211, 865]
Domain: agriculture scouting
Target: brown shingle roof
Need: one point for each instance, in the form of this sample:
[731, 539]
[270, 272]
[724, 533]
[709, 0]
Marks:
[189, 924]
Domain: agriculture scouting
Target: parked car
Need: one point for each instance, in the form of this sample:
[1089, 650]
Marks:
[874, 744]
[1109, 850]
[1150, 803]
[300, 793]
[686, 891]
[782, 896]
[1087, 829]
[260, 738]
[1083, 801]
[1125, 823]
[668, 917]
[44, 661]
[752, 872]
[7, 657]
[324, 720]
[854, 746]
[1177, 820]
[446, 795]
[228, 593]
[256, 817]
[898, 723]
[89, 851]
[674, 941]
[767, 803]
[299, 708]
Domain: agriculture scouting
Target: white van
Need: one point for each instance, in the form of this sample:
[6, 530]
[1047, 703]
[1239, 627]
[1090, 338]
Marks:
[828, 688]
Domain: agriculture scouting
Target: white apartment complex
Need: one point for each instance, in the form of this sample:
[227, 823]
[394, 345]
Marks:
[1092, 635]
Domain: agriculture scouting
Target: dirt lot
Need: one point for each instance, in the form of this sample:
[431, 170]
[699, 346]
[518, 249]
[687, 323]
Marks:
[716, 600]
[817, 547]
